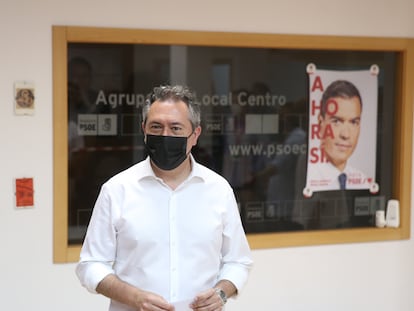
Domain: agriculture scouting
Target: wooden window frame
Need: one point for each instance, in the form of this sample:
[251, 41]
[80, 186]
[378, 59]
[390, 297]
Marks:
[402, 165]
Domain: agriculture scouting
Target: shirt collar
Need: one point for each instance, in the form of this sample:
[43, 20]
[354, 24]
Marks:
[197, 170]
[346, 169]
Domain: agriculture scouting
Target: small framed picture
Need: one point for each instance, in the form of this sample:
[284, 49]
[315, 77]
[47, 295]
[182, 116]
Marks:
[24, 98]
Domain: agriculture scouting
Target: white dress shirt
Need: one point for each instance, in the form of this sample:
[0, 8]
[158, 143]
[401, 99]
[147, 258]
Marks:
[324, 176]
[175, 243]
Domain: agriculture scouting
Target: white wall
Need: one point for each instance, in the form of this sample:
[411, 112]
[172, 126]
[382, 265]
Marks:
[367, 276]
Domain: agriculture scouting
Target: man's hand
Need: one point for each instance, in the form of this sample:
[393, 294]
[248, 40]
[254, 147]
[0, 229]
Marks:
[147, 301]
[208, 300]
[112, 287]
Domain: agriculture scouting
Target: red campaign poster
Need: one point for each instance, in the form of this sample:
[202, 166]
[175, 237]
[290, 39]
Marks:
[342, 130]
[24, 192]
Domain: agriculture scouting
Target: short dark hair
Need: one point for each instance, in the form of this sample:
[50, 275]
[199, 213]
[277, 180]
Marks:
[175, 93]
[339, 88]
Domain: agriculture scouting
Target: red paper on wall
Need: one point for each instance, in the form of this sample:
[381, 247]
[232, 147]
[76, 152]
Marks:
[24, 192]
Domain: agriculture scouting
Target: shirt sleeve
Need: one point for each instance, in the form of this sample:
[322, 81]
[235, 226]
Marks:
[99, 248]
[236, 254]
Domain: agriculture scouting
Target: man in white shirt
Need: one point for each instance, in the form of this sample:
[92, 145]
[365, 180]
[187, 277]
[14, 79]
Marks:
[166, 233]
[339, 129]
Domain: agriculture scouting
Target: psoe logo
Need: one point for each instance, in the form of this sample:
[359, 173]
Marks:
[254, 212]
[97, 124]
[87, 124]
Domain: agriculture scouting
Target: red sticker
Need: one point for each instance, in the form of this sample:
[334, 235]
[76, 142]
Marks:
[24, 192]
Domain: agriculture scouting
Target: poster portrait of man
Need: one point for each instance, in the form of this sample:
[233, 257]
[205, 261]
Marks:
[343, 124]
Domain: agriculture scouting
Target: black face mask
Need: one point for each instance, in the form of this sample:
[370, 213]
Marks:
[167, 152]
